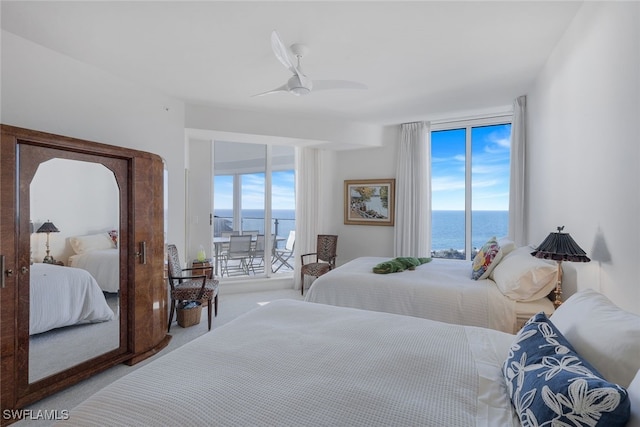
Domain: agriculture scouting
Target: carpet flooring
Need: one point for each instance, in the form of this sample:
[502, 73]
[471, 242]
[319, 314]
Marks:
[230, 306]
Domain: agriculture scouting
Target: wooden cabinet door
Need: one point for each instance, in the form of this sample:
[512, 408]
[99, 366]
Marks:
[8, 264]
[150, 312]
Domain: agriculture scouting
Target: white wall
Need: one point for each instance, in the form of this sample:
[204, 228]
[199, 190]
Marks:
[46, 91]
[370, 163]
[336, 134]
[583, 149]
[75, 206]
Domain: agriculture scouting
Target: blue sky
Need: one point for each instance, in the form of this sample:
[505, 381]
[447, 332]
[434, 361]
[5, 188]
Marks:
[490, 148]
[282, 197]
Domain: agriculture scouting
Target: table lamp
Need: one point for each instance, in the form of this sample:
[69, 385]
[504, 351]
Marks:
[48, 228]
[560, 247]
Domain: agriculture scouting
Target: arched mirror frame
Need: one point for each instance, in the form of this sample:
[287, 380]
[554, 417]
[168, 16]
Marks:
[30, 156]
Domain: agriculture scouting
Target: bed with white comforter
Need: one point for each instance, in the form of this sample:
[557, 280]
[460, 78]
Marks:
[295, 363]
[439, 290]
[301, 364]
[103, 264]
[63, 296]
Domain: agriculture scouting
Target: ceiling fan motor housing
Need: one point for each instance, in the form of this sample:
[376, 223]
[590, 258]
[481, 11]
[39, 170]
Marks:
[297, 88]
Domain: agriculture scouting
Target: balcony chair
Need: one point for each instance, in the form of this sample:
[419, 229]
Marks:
[189, 288]
[240, 251]
[224, 247]
[256, 261]
[325, 258]
[284, 255]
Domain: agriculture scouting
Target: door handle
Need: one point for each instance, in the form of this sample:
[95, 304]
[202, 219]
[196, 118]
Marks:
[3, 272]
[142, 253]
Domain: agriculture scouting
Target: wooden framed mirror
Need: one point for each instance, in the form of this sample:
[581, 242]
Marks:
[73, 318]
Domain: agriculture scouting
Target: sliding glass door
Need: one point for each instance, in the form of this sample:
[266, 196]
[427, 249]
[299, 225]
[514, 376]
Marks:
[254, 193]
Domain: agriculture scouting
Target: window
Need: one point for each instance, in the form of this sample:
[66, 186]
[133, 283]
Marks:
[470, 166]
[254, 191]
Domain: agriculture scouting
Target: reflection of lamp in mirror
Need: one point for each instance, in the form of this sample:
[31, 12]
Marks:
[560, 247]
[48, 228]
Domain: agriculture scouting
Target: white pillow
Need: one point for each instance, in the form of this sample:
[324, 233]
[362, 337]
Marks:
[604, 334]
[522, 277]
[92, 242]
[507, 245]
[634, 399]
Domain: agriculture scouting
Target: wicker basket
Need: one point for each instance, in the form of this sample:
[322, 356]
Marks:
[189, 316]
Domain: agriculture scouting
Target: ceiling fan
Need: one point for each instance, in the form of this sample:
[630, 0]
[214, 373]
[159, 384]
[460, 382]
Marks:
[299, 84]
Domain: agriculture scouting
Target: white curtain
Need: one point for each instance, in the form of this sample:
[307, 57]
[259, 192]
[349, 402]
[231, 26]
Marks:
[309, 212]
[413, 192]
[517, 229]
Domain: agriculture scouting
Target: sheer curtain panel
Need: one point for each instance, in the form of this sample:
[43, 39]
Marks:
[516, 185]
[413, 192]
[309, 213]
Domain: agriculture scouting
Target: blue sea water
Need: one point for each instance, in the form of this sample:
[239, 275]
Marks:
[447, 226]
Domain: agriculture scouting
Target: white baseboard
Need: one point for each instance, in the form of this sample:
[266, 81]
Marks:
[256, 285]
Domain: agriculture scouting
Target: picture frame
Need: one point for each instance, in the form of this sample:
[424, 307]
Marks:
[369, 201]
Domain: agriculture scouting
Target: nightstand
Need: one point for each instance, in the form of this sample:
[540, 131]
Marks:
[202, 267]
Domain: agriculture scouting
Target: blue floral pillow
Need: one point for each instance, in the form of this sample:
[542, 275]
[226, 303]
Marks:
[550, 384]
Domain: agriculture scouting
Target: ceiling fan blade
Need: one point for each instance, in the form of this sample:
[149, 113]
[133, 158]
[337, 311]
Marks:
[283, 88]
[281, 52]
[337, 84]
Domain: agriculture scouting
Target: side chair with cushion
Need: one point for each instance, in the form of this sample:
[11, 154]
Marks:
[189, 288]
[325, 258]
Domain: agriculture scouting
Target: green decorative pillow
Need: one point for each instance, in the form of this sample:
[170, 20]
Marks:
[399, 264]
[486, 259]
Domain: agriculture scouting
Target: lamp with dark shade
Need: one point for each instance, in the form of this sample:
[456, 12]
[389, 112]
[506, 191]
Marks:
[48, 228]
[560, 247]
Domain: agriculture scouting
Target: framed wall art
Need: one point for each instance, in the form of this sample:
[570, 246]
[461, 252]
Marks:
[369, 201]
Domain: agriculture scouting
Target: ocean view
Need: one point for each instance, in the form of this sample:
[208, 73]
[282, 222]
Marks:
[447, 226]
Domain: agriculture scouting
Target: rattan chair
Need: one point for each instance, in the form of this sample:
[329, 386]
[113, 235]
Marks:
[325, 258]
[189, 288]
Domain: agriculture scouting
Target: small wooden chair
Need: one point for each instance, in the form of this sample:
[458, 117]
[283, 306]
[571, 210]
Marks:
[189, 288]
[325, 258]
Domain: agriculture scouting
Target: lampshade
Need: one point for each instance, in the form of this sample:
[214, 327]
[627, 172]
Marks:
[560, 247]
[48, 227]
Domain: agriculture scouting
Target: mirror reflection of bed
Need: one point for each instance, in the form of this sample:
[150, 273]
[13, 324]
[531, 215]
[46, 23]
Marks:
[74, 307]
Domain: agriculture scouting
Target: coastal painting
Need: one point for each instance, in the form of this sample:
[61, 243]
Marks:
[369, 201]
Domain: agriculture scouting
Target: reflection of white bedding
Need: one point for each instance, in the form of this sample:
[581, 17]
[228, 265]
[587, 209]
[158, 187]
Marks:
[63, 296]
[301, 364]
[103, 265]
[440, 290]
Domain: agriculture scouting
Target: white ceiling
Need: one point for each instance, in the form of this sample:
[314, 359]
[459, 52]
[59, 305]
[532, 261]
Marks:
[419, 58]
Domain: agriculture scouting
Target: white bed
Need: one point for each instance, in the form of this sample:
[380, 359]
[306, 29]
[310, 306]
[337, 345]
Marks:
[278, 365]
[63, 296]
[439, 290]
[103, 264]
[294, 363]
